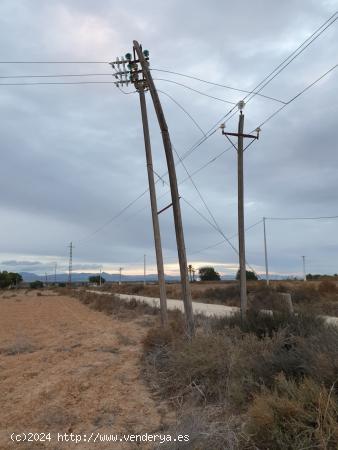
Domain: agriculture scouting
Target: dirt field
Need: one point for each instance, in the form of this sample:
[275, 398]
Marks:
[66, 368]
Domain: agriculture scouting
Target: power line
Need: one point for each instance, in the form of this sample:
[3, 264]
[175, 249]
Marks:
[184, 110]
[285, 63]
[230, 113]
[302, 218]
[39, 83]
[298, 95]
[216, 84]
[60, 75]
[196, 90]
[222, 241]
[54, 62]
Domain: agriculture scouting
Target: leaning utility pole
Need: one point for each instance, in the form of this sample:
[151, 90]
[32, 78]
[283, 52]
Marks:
[70, 264]
[186, 294]
[266, 255]
[240, 174]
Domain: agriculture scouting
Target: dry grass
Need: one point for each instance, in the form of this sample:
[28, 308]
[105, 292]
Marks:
[281, 361]
[113, 305]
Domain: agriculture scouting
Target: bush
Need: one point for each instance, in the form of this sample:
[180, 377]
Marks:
[294, 416]
[112, 304]
[263, 324]
[36, 284]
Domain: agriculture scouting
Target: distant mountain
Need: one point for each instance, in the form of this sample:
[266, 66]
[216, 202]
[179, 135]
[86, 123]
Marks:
[83, 277]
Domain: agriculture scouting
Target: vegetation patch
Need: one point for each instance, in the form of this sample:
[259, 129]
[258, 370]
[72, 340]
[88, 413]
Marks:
[268, 382]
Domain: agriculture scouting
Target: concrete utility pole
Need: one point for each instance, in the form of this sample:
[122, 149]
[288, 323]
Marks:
[241, 234]
[70, 264]
[304, 270]
[266, 255]
[186, 294]
[120, 270]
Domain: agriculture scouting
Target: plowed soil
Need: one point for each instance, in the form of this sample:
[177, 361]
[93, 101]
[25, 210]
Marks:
[66, 368]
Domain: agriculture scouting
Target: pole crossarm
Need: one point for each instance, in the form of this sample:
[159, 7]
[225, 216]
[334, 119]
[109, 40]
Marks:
[252, 136]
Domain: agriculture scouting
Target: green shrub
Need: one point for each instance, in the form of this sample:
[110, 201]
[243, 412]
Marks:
[36, 284]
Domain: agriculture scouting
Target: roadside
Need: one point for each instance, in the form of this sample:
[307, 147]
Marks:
[206, 309]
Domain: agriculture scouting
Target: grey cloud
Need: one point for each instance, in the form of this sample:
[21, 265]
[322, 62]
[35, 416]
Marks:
[72, 156]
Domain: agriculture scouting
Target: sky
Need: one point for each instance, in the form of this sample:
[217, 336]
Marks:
[72, 156]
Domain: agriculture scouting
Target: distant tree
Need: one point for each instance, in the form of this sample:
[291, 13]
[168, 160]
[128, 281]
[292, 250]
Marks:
[249, 275]
[9, 279]
[36, 284]
[191, 271]
[208, 273]
[96, 279]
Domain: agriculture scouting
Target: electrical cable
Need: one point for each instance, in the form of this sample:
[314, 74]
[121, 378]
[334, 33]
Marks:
[195, 90]
[184, 110]
[216, 84]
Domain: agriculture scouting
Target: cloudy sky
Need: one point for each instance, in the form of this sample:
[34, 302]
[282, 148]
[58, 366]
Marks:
[72, 156]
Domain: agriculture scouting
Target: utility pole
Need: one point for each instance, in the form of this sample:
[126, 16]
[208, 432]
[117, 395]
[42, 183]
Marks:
[46, 278]
[266, 255]
[304, 271]
[120, 270]
[140, 86]
[144, 270]
[100, 276]
[186, 293]
[55, 266]
[240, 178]
[70, 264]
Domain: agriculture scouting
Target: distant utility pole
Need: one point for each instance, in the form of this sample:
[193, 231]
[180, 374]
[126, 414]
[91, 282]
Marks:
[144, 270]
[55, 267]
[100, 276]
[46, 277]
[304, 271]
[241, 235]
[120, 270]
[266, 254]
[186, 293]
[70, 264]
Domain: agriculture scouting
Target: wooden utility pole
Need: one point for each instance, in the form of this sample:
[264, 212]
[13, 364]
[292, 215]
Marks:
[241, 233]
[266, 255]
[144, 270]
[153, 202]
[70, 264]
[304, 270]
[241, 237]
[186, 294]
[120, 270]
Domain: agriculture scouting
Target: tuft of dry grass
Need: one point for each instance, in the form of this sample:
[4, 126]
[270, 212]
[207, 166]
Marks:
[294, 416]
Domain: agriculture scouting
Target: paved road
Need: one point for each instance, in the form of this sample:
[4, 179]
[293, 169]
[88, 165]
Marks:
[207, 309]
